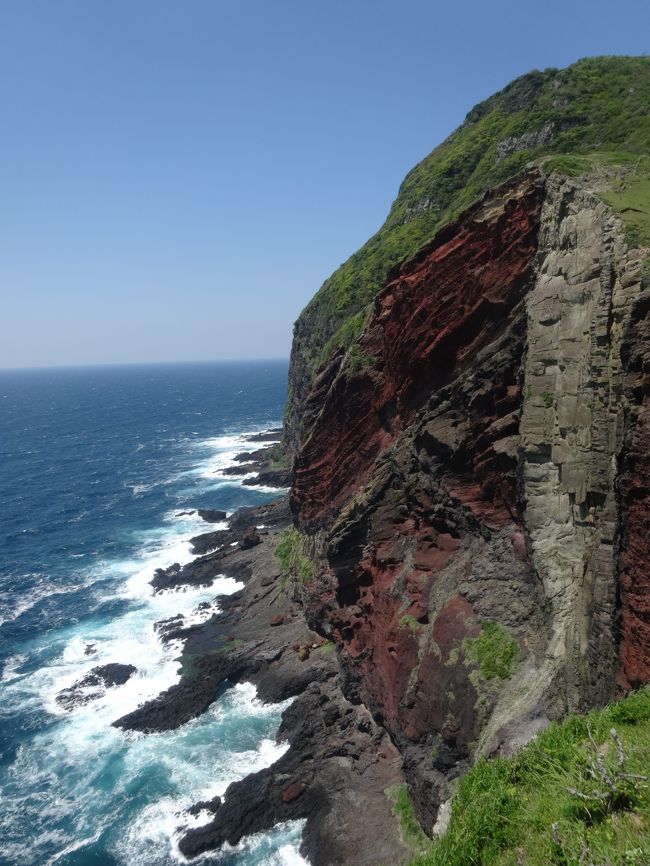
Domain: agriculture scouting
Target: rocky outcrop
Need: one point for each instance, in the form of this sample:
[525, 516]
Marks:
[595, 105]
[339, 764]
[212, 515]
[94, 684]
[472, 482]
[571, 433]
[525, 141]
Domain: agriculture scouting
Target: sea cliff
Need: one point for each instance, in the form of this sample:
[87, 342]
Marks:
[466, 438]
[469, 437]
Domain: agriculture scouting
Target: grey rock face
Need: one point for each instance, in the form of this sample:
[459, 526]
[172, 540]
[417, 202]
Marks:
[515, 143]
[571, 430]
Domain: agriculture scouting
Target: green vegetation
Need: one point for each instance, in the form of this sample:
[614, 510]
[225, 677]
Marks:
[599, 104]
[494, 651]
[277, 456]
[548, 399]
[631, 199]
[357, 359]
[575, 795]
[345, 335]
[327, 648]
[295, 563]
[412, 835]
[408, 621]
[572, 166]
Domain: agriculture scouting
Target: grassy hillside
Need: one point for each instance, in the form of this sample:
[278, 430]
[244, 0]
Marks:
[597, 105]
[577, 795]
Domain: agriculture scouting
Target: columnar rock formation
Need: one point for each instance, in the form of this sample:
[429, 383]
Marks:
[472, 476]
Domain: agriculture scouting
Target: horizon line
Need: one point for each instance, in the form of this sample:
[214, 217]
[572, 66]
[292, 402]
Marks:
[104, 364]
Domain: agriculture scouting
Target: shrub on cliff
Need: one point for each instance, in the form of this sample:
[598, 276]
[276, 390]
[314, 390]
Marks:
[295, 564]
[494, 651]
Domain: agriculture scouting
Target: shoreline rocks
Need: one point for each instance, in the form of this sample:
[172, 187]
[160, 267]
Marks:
[339, 760]
[94, 684]
[212, 515]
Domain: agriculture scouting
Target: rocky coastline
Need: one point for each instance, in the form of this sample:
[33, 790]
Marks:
[339, 762]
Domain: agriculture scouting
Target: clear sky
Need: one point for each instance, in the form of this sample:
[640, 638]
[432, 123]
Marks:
[177, 177]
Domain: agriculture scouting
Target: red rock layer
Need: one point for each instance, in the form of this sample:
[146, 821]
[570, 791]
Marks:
[430, 321]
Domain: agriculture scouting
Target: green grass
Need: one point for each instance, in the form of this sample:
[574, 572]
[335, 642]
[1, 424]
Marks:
[295, 563]
[495, 652]
[504, 811]
[572, 166]
[598, 104]
[631, 199]
[411, 833]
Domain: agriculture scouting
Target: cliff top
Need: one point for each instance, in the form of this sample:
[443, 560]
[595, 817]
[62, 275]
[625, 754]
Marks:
[598, 105]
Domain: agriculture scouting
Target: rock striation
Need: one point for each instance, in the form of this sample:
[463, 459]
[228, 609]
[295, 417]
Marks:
[471, 480]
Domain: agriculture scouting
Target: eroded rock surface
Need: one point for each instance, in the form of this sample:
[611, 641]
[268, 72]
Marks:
[475, 469]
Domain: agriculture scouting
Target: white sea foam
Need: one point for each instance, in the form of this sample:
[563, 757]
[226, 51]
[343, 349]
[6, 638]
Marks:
[199, 768]
[130, 639]
[11, 667]
[59, 777]
[14, 607]
[220, 453]
[279, 847]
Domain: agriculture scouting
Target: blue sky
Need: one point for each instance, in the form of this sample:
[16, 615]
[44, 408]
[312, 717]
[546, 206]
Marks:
[178, 178]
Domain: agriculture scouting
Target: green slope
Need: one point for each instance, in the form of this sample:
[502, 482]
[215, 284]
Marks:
[569, 798]
[599, 104]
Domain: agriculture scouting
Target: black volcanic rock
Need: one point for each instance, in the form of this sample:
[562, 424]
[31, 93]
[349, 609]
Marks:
[94, 685]
[212, 515]
[239, 469]
[259, 636]
[207, 541]
[338, 759]
[224, 538]
[270, 478]
[261, 455]
[273, 514]
[273, 435]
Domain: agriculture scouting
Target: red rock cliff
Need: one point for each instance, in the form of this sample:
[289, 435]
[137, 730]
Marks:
[479, 553]
[434, 315]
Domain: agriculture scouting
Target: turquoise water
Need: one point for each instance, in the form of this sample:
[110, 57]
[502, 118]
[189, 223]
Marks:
[95, 466]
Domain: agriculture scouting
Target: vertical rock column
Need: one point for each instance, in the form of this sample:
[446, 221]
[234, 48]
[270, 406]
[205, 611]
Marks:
[571, 433]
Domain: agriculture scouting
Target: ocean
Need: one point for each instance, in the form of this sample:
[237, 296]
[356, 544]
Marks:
[96, 466]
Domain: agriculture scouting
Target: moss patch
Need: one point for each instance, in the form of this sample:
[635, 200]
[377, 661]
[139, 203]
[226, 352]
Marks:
[548, 399]
[495, 652]
[411, 833]
[410, 623]
[295, 563]
[327, 649]
[631, 199]
[357, 360]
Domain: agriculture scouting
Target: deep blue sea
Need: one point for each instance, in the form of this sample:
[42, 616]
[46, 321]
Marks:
[95, 466]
